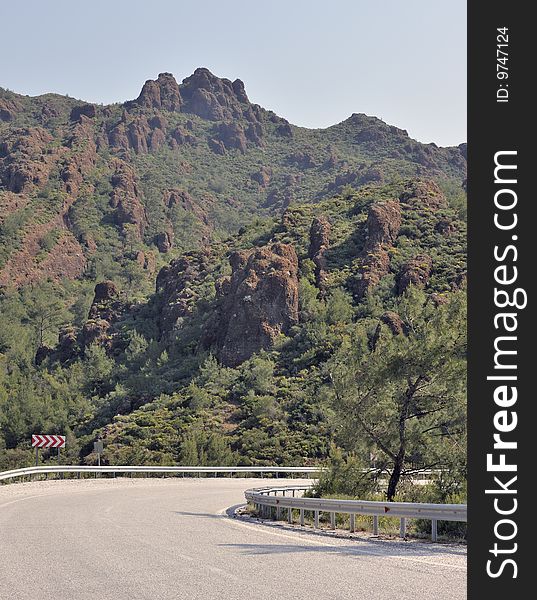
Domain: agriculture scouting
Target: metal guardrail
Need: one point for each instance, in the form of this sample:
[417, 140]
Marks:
[267, 499]
[61, 469]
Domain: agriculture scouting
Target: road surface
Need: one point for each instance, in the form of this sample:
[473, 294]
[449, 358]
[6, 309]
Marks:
[160, 539]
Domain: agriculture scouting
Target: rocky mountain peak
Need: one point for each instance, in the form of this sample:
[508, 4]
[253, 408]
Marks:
[161, 93]
[212, 97]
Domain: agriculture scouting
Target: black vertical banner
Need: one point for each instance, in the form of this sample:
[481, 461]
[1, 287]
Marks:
[502, 251]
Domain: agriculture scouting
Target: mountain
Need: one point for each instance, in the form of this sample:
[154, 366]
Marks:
[82, 183]
[179, 272]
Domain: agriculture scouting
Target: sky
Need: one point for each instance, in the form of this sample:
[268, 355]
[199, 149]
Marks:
[314, 62]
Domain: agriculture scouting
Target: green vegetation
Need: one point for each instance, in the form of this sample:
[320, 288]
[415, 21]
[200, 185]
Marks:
[340, 388]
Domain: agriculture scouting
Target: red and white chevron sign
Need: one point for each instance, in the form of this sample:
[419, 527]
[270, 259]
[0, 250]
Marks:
[48, 441]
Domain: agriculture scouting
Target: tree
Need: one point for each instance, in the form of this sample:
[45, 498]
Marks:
[406, 396]
[45, 313]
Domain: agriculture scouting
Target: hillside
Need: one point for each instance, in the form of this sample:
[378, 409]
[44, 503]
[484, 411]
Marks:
[84, 185]
[187, 274]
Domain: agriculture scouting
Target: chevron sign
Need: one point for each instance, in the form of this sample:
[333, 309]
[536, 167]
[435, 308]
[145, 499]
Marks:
[48, 441]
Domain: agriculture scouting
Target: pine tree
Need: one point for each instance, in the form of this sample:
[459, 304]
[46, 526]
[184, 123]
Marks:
[406, 396]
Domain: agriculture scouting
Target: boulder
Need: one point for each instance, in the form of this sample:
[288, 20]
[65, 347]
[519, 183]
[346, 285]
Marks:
[416, 272]
[258, 302]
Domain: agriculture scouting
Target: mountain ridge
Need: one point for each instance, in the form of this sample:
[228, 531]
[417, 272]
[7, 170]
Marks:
[55, 95]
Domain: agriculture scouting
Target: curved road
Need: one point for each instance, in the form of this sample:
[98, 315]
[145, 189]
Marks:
[171, 539]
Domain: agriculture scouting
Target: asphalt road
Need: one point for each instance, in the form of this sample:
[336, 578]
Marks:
[171, 539]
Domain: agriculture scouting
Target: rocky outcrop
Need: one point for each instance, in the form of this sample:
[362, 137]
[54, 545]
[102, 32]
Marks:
[232, 136]
[68, 344]
[394, 322]
[180, 198]
[139, 133]
[215, 99]
[106, 309]
[319, 243]
[126, 200]
[26, 159]
[146, 261]
[65, 260]
[9, 109]
[255, 133]
[383, 224]
[416, 272]
[86, 110]
[217, 146]
[263, 176]
[423, 194]
[164, 240]
[258, 302]
[176, 298]
[303, 159]
[81, 159]
[181, 136]
[284, 129]
[357, 177]
[162, 93]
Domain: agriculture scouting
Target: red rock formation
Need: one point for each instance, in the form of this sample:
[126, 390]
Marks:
[383, 223]
[164, 240]
[87, 110]
[232, 136]
[25, 160]
[258, 302]
[125, 198]
[106, 309]
[213, 98]
[82, 158]
[263, 176]
[172, 198]
[394, 322]
[64, 260]
[8, 109]
[162, 93]
[181, 136]
[139, 133]
[416, 272]
[174, 288]
[217, 146]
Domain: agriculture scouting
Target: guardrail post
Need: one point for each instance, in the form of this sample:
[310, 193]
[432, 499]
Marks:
[293, 493]
[402, 529]
[290, 515]
[302, 517]
[278, 513]
[375, 525]
[352, 523]
[333, 520]
[316, 519]
[434, 530]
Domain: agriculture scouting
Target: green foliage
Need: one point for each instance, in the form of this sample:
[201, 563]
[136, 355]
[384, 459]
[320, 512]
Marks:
[158, 399]
[347, 476]
[405, 397]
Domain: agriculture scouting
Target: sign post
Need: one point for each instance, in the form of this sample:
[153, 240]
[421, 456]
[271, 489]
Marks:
[98, 448]
[47, 441]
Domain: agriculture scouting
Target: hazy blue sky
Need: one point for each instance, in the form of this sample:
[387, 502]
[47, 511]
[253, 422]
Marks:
[313, 62]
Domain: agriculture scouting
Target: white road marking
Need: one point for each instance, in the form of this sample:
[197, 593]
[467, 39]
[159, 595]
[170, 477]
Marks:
[20, 500]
